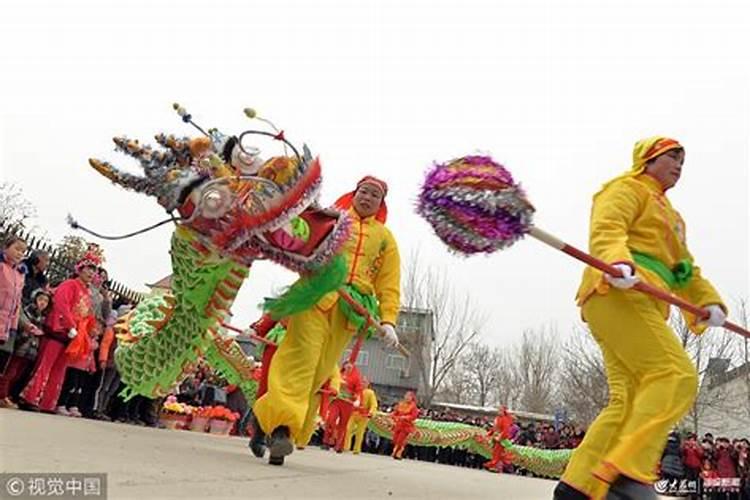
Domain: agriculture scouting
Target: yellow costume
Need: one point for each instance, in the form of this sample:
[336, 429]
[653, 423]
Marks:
[652, 381]
[359, 420]
[316, 338]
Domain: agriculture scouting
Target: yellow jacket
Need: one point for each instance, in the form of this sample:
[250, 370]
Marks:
[335, 381]
[374, 266]
[633, 213]
[369, 401]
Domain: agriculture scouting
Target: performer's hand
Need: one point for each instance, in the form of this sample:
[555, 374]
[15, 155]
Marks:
[72, 333]
[716, 317]
[249, 332]
[627, 280]
[389, 335]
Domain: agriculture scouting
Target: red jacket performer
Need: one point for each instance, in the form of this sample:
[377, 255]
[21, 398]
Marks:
[342, 407]
[403, 415]
[499, 432]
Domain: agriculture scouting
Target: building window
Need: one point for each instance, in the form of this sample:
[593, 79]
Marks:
[363, 358]
[395, 362]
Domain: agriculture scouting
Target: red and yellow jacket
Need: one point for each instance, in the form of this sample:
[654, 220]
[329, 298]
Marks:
[374, 266]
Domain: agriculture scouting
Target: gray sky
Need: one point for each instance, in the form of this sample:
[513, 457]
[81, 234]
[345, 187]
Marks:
[557, 91]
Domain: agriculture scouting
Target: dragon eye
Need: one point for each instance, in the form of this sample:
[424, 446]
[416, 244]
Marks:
[215, 201]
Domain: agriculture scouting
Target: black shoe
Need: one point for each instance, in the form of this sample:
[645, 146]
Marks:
[628, 489]
[258, 442]
[26, 406]
[279, 445]
[565, 492]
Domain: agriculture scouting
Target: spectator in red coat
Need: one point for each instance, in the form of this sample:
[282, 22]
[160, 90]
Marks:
[708, 471]
[724, 456]
[692, 456]
[70, 311]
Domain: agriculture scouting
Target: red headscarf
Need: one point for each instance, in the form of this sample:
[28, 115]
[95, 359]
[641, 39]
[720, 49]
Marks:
[345, 202]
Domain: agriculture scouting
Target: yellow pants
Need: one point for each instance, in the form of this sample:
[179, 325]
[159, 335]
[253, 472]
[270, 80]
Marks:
[310, 423]
[357, 427]
[652, 385]
[314, 342]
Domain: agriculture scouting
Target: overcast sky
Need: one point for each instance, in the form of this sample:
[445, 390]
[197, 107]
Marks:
[557, 91]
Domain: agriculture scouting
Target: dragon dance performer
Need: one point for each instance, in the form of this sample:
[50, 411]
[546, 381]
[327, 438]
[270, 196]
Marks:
[652, 382]
[275, 331]
[361, 417]
[501, 430]
[316, 337]
[349, 395]
[404, 414]
[327, 392]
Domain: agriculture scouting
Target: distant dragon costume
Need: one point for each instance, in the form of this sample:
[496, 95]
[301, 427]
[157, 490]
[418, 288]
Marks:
[546, 463]
[232, 208]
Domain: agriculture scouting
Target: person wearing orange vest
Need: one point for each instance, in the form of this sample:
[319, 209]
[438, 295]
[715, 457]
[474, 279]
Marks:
[499, 432]
[652, 381]
[361, 417]
[342, 407]
[317, 337]
[404, 414]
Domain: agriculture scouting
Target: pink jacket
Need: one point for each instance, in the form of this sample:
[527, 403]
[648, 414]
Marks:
[11, 290]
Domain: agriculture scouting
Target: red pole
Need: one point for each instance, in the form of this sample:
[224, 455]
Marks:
[660, 294]
[242, 334]
[368, 322]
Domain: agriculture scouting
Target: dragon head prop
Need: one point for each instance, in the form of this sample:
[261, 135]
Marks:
[238, 204]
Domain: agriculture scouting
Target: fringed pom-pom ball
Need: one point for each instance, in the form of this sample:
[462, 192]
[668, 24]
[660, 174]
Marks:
[474, 205]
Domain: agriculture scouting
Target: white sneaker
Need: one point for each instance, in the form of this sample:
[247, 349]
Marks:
[61, 410]
[74, 412]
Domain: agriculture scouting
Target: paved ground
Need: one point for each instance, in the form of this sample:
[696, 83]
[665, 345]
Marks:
[147, 463]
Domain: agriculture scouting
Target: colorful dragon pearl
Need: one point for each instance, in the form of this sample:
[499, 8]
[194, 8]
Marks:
[474, 205]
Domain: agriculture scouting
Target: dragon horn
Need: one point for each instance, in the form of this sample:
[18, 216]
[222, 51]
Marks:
[179, 146]
[128, 181]
[148, 157]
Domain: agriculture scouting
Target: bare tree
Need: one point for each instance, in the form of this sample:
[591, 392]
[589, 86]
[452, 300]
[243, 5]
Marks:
[583, 377]
[457, 386]
[713, 353]
[483, 366]
[535, 368]
[743, 316]
[506, 391]
[15, 209]
[456, 323]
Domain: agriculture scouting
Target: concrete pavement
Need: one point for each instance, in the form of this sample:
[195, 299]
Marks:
[146, 463]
